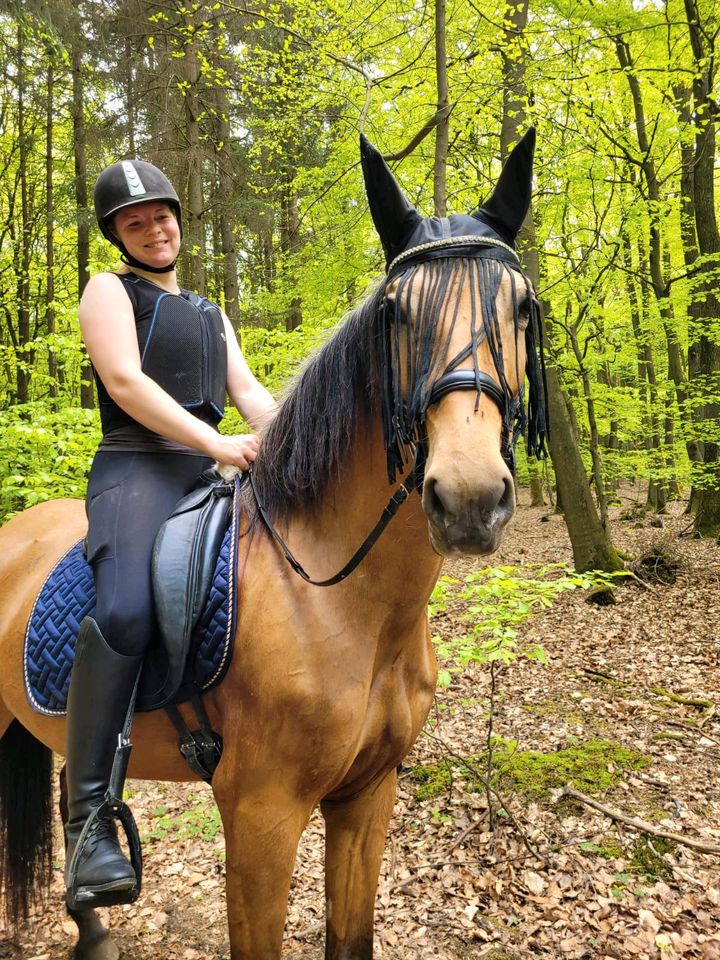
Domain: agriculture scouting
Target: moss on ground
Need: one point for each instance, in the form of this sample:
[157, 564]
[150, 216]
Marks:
[647, 857]
[594, 767]
[432, 779]
[609, 848]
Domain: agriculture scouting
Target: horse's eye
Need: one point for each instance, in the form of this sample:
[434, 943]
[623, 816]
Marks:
[524, 309]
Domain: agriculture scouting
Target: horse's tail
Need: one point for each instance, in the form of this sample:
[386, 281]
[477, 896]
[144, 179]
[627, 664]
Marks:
[25, 822]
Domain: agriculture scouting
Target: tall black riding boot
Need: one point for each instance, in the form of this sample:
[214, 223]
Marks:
[101, 686]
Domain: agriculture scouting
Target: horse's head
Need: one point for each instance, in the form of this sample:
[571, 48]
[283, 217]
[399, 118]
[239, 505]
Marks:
[461, 331]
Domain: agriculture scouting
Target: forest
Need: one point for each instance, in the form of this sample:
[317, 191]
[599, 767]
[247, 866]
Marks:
[255, 114]
[254, 110]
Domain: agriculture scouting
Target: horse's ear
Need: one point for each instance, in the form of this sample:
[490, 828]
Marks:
[509, 202]
[394, 216]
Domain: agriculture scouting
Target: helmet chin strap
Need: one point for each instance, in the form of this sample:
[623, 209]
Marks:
[131, 261]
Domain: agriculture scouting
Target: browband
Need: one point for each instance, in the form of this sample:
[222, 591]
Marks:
[445, 247]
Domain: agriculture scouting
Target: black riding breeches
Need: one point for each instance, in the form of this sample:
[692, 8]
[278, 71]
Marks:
[130, 495]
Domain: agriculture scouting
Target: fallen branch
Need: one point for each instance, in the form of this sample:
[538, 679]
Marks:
[466, 833]
[698, 702]
[598, 676]
[640, 825]
[310, 931]
[692, 725]
[640, 582]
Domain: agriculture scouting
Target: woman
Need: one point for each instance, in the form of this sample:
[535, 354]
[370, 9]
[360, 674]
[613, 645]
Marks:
[163, 361]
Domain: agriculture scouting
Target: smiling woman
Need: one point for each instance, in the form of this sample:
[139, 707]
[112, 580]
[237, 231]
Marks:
[150, 233]
[164, 359]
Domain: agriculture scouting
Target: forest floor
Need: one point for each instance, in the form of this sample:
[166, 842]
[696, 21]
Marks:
[627, 708]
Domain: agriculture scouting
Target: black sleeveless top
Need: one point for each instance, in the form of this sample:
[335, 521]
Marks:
[182, 345]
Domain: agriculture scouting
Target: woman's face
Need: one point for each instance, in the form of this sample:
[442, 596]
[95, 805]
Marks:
[149, 232]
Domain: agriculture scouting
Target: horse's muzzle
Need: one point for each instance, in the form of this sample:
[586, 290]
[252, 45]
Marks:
[464, 522]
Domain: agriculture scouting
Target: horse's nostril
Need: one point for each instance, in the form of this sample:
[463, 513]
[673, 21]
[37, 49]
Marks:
[434, 506]
[446, 504]
[507, 501]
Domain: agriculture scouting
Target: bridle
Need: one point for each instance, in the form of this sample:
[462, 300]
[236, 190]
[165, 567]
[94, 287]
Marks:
[449, 381]
[453, 379]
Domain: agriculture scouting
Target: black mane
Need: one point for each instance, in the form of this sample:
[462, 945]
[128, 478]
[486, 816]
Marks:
[308, 440]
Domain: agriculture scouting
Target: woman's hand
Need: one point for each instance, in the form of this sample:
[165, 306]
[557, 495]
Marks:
[239, 450]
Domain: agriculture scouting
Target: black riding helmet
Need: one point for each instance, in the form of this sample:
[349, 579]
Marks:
[124, 184]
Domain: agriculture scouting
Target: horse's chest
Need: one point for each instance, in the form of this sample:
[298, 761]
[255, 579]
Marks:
[400, 697]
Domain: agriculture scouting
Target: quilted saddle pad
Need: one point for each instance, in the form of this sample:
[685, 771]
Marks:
[68, 595]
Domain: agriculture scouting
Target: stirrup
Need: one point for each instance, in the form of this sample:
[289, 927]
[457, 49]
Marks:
[113, 807]
[83, 898]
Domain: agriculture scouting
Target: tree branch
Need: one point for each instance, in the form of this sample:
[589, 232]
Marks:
[640, 825]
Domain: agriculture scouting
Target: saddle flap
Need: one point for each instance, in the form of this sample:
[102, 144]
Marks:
[183, 562]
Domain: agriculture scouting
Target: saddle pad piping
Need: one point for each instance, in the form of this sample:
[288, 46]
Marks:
[46, 711]
[232, 577]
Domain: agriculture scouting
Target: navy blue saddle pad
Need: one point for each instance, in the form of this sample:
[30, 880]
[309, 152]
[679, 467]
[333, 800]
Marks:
[68, 595]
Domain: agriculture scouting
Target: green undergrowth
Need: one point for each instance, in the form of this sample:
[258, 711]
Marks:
[496, 604]
[201, 821]
[44, 454]
[594, 766]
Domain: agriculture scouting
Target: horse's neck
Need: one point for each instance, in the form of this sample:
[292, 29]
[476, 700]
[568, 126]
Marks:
[401, 568]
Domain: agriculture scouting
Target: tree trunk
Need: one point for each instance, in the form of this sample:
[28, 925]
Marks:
[707, 519]
[595, 454]
[87, 393]
[225, 206]
[290, 244]
[591, 544]
[49, 229]
[442, 130]
[130, 99]
[24, 357]
[193, 265]
[694, 444]
[647, 378]
[537, 498]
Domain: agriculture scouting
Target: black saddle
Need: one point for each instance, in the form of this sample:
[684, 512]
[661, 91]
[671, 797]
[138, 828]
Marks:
[183, 562]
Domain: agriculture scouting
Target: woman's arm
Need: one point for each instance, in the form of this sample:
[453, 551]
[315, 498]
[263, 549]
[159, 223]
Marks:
[108, 328]
[253, 401]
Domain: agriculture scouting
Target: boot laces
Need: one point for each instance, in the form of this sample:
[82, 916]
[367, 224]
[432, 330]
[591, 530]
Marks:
[103, 829]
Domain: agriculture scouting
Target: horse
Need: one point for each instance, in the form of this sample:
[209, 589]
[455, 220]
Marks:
[328, 688]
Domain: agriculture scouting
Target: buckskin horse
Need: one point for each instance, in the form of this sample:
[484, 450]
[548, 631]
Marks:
[328, 688]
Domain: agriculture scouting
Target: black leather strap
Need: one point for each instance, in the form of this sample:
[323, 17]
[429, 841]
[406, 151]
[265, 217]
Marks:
[394, 504]
[201, 749]
[467, 380]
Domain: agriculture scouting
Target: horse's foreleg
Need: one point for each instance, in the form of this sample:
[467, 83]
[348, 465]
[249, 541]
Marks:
[355, 838]
[94, 941]
[262, 832]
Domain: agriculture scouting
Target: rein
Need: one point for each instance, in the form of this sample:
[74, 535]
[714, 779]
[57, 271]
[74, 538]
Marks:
[450, 380]
[393, 505]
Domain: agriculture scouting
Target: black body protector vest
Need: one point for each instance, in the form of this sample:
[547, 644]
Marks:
[183, 349]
